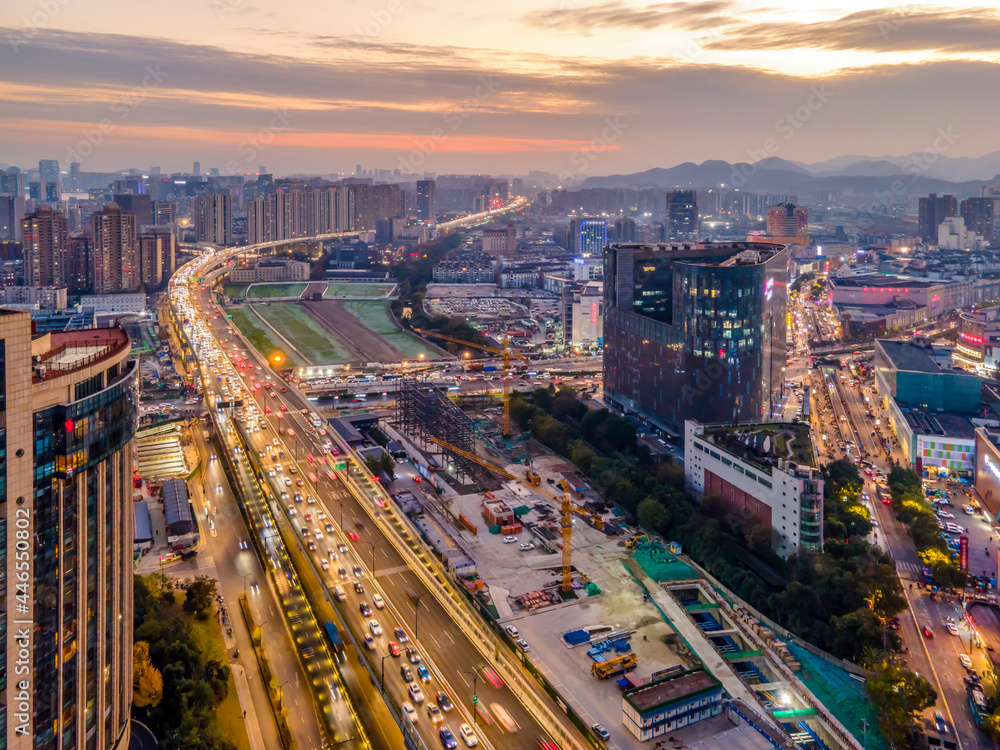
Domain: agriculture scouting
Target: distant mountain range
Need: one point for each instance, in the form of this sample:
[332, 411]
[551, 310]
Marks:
[917, 173]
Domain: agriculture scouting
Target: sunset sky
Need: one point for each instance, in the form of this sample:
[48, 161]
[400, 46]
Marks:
[450, 86]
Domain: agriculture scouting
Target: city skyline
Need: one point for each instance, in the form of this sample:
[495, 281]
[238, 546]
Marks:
[581, 90]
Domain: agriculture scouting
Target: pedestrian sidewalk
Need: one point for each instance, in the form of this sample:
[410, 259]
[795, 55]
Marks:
[249, 712]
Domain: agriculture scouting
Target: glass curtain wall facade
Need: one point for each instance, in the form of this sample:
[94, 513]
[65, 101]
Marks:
[66, 519]
[695, 332]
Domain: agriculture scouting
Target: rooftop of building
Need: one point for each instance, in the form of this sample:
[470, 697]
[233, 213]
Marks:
[670, 689]
[710, 253]
[944, 424]
[764, 443]
[885, 281]
[911, 356]
[59, 353]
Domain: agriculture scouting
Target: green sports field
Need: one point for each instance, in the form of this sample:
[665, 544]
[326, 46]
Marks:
[259, 336]
[336, 289]
[235, 291]
[375, 316]
[307, 335]
[270, 291]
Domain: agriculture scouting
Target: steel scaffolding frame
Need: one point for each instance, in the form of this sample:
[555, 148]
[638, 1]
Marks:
[423, 412]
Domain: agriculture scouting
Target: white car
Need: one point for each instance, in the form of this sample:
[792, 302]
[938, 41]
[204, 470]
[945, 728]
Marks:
[317, 533]
[374, 626]
[952, 628]
[410, 712]
[523, 644]
[510, 540]
[415, 693]
[324, 563]
[468, 736]
[945, 514]
[512, 631]
[525, 547]
[378, 602]
[218, 489]
[966, 661]
[292, 511]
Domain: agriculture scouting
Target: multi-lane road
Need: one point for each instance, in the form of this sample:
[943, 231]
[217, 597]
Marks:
[455, 665]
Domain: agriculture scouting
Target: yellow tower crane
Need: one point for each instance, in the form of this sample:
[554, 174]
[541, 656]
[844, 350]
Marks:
[507, 356]
[566, 505]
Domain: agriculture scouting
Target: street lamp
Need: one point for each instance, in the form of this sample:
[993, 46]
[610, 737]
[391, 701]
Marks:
[383, 670]
[373, 545]
[281, 692]
[475, 695]
[416, 613]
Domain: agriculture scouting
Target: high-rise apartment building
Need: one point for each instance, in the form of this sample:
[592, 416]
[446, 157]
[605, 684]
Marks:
[213, 219]
[427, 200]
[11, 216]
[140, 204]
[12, 182]
[69, 403]
[979, 217]
[114, 256]
[695, 331]
[157, 258]
[79, 265]
[682, 223]
[932, 211]
[625, 230]
[788, 220]
[45, 241]
[48, 170]
[587, 236]
[164, 212]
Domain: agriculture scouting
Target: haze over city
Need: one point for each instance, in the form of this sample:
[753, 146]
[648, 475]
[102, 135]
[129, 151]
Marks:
[528, 84]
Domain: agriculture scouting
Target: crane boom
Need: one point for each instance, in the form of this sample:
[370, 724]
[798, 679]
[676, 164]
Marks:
[505, 353]
[566, 506]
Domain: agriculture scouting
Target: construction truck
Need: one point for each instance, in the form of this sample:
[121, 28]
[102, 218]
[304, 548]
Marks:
[615, 666]
[635, 541]
[532, 477]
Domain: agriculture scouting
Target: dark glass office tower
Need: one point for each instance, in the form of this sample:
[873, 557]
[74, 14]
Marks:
[695, 331]
[682, 223]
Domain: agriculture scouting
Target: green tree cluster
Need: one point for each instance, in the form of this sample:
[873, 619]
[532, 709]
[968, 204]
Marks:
[899, 696]
[193, 681]
[415, 274]
[841, 599]
[382, 462]
[913, 509]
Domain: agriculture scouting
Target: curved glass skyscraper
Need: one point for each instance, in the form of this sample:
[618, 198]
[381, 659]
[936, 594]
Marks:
[68, 407]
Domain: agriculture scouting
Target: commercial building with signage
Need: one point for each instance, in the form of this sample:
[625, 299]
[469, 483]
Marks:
[988, 469]
[978, 345]
[68, 416]
[695, 331]
[931, 406]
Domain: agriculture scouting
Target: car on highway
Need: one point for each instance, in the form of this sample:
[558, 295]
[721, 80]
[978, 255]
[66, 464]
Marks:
[324, 564]
[434, 714]
[218, 489]
[415, 693]
[401, 635]
[600, 731]
[374, 626]
[423, 673]
[410, 712]
[292, 511]
[406, 672]
[952, 628]
[448, 741]
[358, 588]
[966, 661]
[444, 701]
[523, 644]
[365, 610]
[514, 633]
[342, 548]
[928, 633]
[369, 642]
[468, 736]
[378, 601]
[353, 536]
[317, 533]
[413, 655]
[394, 648]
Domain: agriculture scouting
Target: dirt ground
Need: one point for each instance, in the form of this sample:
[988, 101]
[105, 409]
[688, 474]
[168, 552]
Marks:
[361, 341]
